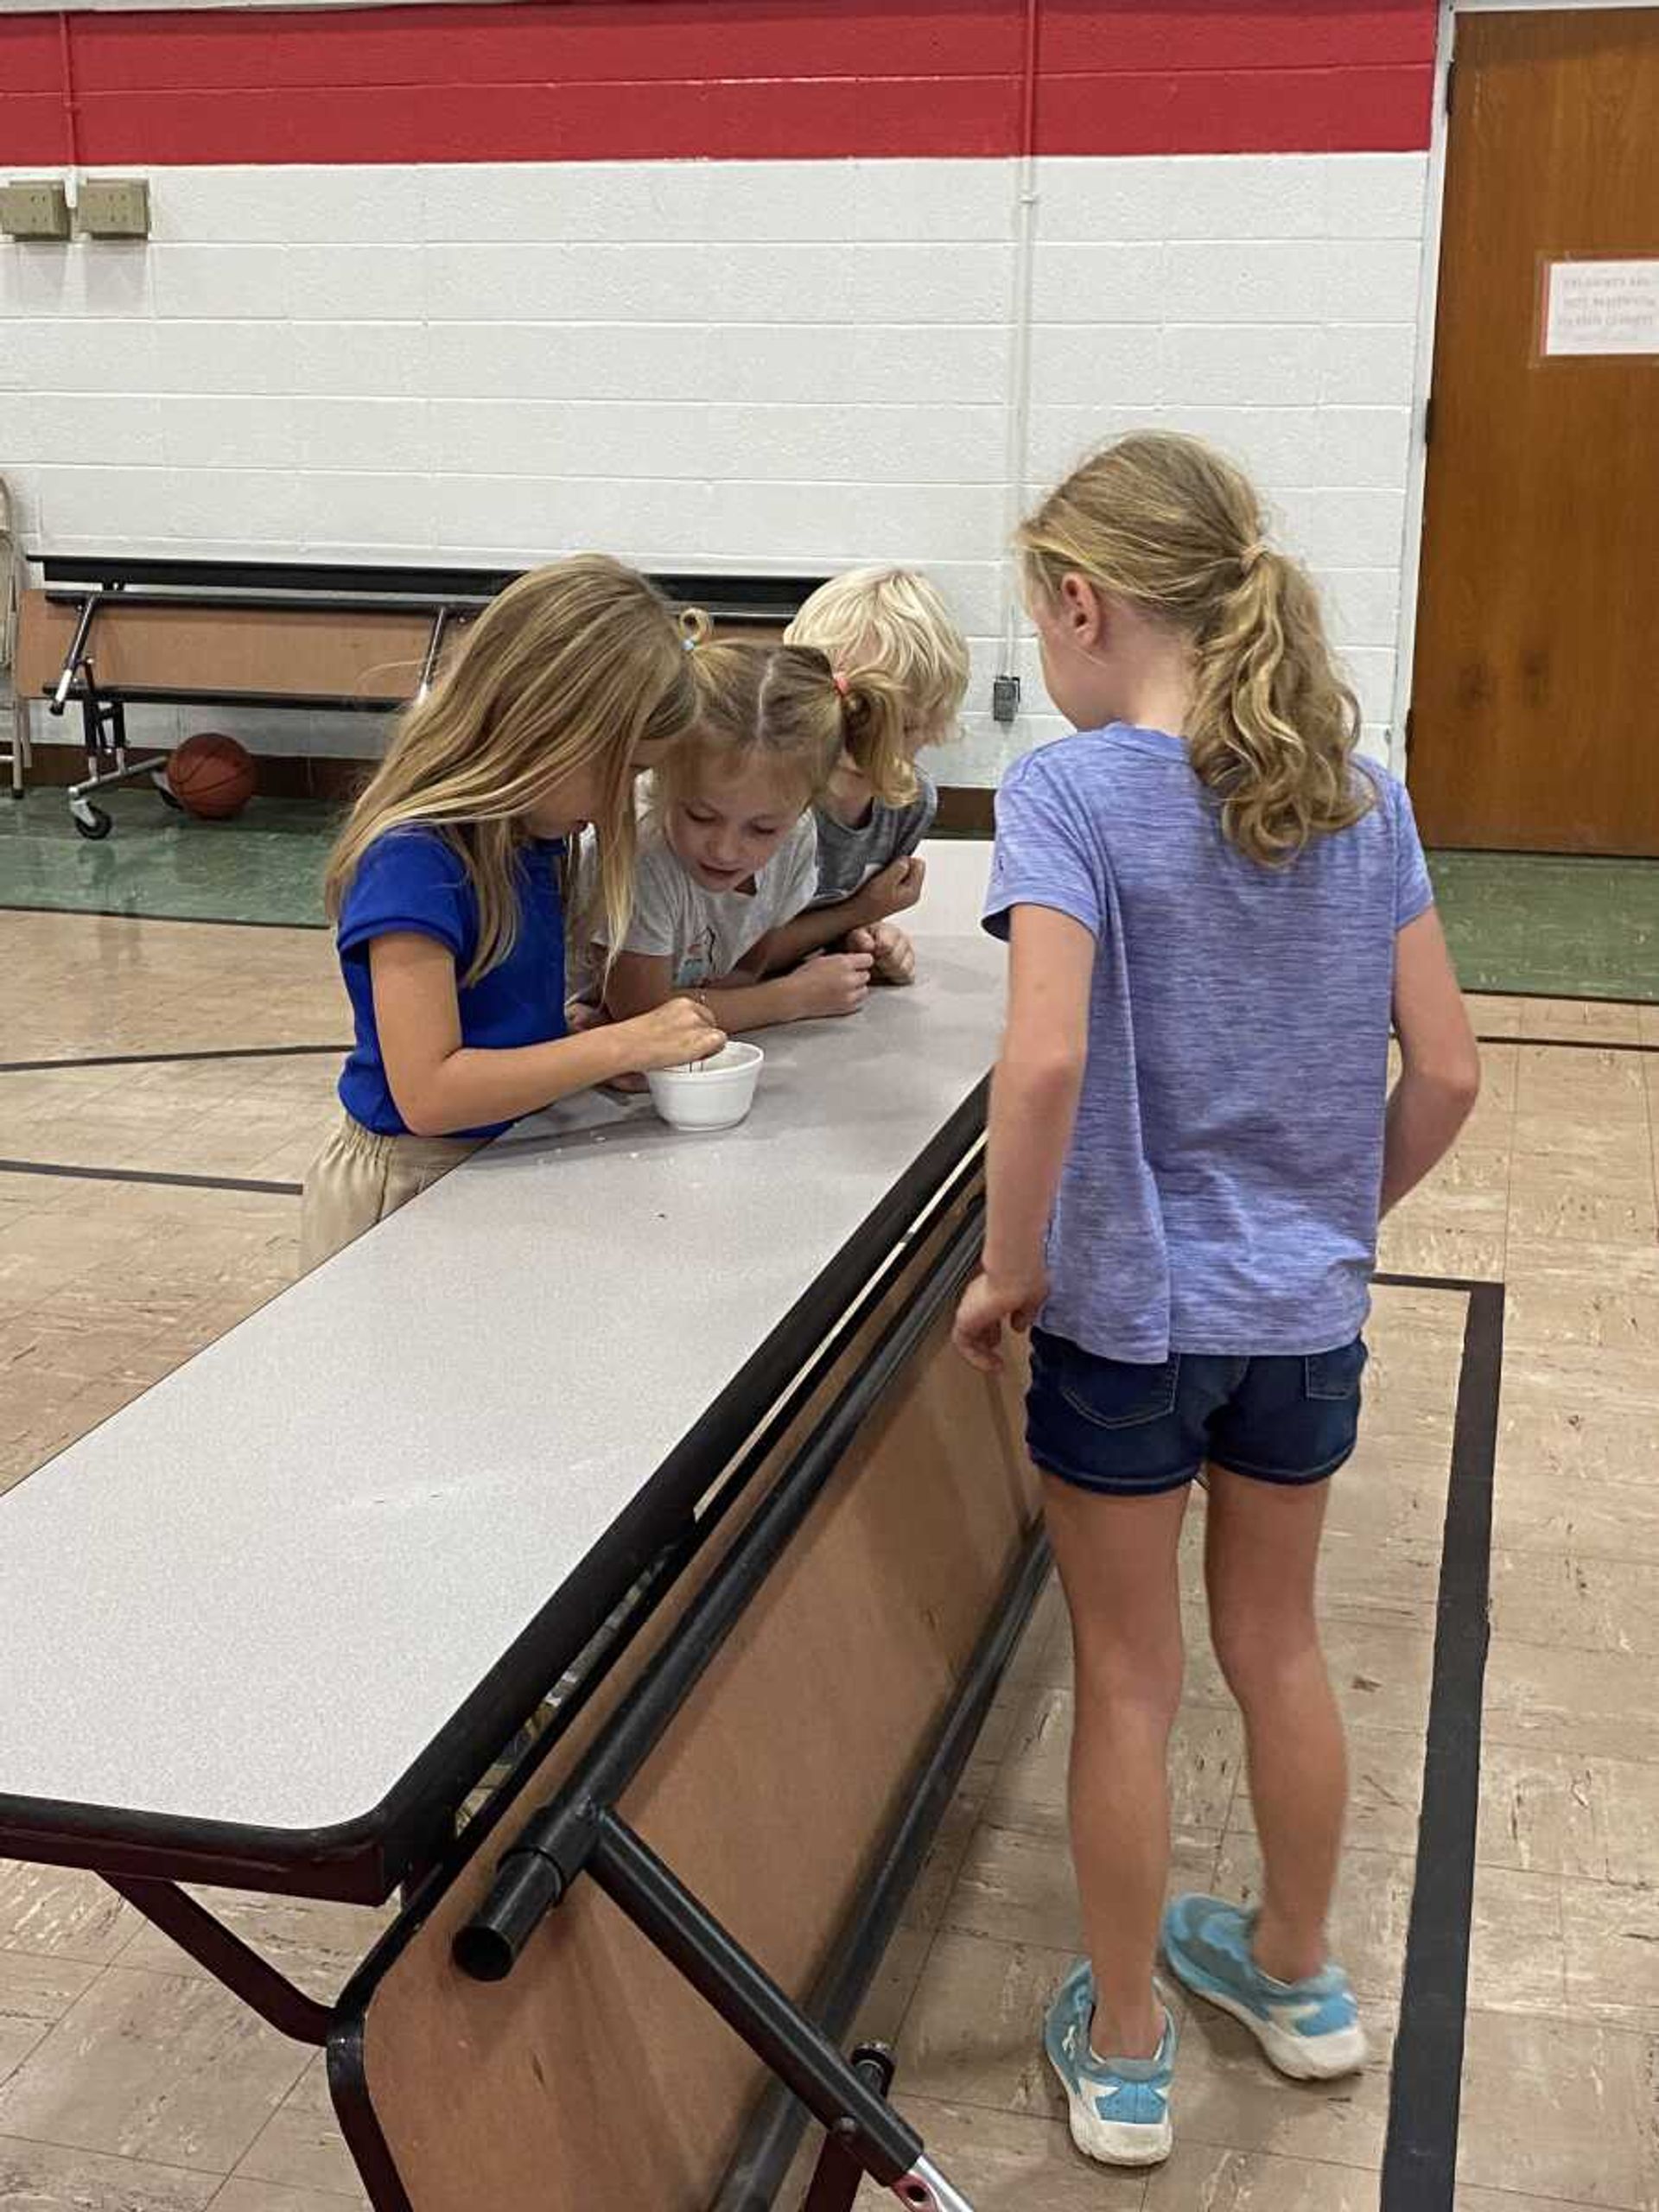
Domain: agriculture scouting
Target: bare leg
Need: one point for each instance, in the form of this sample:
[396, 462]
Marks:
[1118, 1562]
[1263, 1551]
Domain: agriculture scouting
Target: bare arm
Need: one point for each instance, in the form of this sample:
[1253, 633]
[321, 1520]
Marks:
[1034, 1097]
[837, 984]
[1440, 1078]
[791, 943]
[440, 1085]
[896, 889]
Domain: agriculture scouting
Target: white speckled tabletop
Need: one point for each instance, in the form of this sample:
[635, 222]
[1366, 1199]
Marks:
[256, 1594]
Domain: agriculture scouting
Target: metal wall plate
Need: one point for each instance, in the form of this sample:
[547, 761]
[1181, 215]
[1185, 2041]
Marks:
[113, 207]
[34, 207]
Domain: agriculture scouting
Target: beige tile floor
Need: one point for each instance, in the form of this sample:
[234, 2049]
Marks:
[128, 2082]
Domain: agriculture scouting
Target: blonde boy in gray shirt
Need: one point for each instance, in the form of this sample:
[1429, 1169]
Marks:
[894, 623]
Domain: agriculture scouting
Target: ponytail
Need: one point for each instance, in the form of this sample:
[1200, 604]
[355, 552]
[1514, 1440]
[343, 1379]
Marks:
[891, 623]
[790, 706]
[1271, 728]
[876, 723]
[1166, 522]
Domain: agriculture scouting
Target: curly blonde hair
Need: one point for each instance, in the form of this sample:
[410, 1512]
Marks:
[1169, 523]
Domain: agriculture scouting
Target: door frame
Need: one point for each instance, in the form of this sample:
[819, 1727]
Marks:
[1429, 294]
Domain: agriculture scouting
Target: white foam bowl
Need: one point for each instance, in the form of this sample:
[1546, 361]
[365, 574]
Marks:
[712, 1094]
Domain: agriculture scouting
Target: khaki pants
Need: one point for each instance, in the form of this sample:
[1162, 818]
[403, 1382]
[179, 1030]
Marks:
[359, 1179]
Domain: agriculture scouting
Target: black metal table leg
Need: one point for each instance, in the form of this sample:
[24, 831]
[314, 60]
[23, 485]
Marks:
[227, 1957]
[76, 654]
[872, 2135]
[837, 2176]
[104, 726]
[91, 733]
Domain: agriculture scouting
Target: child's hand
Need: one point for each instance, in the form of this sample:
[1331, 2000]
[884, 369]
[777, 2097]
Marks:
[671, 1035]
[832, 983]
[580, 1017]
[986, 1310]
[892, 951]
[896, 889]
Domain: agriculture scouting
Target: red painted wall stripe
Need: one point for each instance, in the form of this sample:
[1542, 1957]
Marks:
[643, 79]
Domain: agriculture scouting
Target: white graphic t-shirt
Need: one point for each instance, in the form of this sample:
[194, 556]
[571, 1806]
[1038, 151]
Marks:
[706, 933]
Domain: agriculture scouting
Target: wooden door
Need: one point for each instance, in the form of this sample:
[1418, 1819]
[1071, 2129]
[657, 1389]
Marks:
[1535, 690]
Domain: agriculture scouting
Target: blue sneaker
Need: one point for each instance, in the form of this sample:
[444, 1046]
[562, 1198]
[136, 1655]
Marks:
[1119, 2106]
[1309, 2030]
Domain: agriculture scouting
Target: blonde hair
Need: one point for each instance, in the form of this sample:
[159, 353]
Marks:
[1167, 523]
[784, 707]
[891, 622]
[572, 668]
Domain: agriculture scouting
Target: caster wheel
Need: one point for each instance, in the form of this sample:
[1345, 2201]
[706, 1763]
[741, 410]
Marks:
[93, 823]
[164, 791]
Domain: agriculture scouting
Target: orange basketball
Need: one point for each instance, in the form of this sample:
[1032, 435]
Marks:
[210, 775]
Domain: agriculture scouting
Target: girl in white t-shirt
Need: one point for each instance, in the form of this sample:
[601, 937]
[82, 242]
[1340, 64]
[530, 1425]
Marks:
[727, 861]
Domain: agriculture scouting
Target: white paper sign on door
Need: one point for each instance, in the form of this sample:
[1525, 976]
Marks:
[1602, 307]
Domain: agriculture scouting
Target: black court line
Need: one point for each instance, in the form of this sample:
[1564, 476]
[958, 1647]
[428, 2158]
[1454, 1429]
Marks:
[127, 914]
[1560, 998]
[151, 1175]
[1419, 2160]
[168, 1059]
[1571, 1044]
[299, 1051]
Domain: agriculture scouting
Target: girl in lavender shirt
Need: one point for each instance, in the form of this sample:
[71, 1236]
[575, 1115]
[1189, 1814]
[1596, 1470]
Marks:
[1215, 911]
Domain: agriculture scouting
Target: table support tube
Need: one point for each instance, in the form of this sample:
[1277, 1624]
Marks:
[227, 1957]
[749, 2001]
[434, 647]
[838, 2176]
[76, 654]
[925, 2190]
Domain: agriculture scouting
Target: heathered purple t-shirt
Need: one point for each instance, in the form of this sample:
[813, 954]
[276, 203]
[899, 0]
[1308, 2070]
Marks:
[1220, 1192]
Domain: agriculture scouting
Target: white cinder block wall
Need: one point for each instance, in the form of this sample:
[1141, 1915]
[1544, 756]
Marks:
[757, 365]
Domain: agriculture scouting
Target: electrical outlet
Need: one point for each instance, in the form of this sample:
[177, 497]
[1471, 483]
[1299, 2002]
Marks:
[34, 207]
[113, 207]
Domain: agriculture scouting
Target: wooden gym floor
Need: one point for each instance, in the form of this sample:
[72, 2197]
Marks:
[148, 1202]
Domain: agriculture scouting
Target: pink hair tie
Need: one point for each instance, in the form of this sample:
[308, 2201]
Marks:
[839, 679]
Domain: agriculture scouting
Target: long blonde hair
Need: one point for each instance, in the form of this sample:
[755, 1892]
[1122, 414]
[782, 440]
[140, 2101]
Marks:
[787, 707]
[573, 667]
[892, 622]
[1167, 523]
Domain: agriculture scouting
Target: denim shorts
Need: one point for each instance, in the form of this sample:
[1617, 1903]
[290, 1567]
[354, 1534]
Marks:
[1131, 1431]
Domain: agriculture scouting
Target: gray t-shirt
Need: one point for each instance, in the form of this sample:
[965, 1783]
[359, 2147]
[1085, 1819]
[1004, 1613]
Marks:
[706, 933]
[1220, 1193]
[848, 858]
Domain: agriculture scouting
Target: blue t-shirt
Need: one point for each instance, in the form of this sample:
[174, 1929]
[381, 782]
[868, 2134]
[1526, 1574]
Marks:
[413, 879]
[1221, 1194]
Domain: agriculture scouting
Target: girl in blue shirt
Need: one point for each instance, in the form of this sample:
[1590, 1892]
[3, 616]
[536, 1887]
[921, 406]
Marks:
[1214, 909]
[445, 886]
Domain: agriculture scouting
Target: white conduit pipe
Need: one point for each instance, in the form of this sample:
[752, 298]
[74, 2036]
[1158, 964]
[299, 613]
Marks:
[1018, 450]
